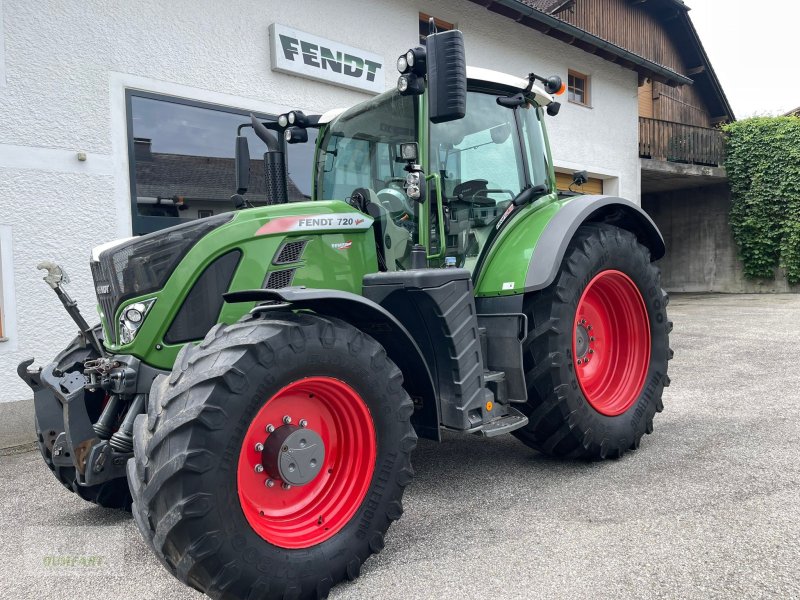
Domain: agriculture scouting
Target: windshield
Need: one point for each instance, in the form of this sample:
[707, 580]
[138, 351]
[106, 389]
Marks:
[359, 148]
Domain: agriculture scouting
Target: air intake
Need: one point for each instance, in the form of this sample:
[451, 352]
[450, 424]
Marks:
[290, 252]
[279, 279]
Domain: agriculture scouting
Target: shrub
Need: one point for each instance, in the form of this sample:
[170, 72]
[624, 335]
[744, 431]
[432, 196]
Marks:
[763, 165]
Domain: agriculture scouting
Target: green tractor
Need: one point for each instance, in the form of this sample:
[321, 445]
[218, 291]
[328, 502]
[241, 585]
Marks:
[259, 378]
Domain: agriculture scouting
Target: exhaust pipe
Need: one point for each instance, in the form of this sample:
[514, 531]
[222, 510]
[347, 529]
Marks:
[274, 164]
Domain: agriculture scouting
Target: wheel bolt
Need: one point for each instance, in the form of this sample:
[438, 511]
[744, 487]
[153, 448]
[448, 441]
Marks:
[259, 468]
[303, 423]
[259, 447]
[287, 419]
[580, 362]
[286, 486]
[270, 428]
[589, 327]
[590, 352]
[269, 483]
[591, 339]
[583, 321]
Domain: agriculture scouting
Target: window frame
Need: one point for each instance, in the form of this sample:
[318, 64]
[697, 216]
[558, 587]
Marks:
[586, 88]
[441, 25]
[141, 224]
[8, 307]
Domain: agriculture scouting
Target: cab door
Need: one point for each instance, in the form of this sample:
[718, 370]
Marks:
[480, 166]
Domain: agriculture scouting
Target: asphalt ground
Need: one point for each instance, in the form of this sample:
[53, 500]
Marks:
[706, 508]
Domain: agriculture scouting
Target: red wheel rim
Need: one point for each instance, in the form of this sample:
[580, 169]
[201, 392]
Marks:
[611, 342]
[308, 514]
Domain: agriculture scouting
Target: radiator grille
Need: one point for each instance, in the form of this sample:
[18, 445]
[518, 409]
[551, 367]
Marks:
[279, 279]
[106, 298]
[290, 252]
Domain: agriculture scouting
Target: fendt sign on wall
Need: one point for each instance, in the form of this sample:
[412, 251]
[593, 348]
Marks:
[307, 55]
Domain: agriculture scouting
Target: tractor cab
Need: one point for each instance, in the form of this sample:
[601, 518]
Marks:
[473, 168]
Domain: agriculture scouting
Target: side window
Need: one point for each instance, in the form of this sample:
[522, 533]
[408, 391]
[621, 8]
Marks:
[479, 161]
[181, 156]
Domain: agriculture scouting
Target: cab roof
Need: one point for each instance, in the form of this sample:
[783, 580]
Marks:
[483, 75]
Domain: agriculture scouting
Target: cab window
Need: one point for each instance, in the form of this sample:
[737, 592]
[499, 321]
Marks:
[479, 159]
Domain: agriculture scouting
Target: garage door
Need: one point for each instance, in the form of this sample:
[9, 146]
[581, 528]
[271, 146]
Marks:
[593, 186]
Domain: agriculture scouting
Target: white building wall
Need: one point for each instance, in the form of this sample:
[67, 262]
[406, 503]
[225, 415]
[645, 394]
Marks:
[67, 63]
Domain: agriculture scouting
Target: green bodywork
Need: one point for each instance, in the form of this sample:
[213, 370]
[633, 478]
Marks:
[325, 263]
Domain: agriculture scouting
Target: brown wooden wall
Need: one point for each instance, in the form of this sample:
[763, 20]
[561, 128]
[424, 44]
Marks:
[680, 104]
[633, 27]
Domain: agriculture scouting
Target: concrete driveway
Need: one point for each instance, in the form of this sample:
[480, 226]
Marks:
[708, 507]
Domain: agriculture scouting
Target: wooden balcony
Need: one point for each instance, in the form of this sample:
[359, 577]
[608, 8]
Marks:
[676, 142]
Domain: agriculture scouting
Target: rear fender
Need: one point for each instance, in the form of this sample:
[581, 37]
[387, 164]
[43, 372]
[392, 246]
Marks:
[375, 321]
[552, 243]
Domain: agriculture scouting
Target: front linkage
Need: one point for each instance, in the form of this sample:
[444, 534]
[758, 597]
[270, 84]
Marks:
[86, 403]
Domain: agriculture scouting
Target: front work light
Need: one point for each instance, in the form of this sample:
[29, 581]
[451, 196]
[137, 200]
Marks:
[402, 64]
[298, 118]
[409, 152]
[295, 135]
[410, 85]
[283, 120]
[415, 58]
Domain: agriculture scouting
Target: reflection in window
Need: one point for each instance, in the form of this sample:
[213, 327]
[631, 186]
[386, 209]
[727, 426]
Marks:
[182, 161]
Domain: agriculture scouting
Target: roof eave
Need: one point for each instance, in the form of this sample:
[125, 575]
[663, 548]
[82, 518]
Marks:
[624, 57]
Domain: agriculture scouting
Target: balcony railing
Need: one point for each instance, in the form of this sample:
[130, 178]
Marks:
[676, 142]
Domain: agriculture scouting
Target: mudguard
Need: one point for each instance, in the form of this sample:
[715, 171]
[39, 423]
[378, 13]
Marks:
[559, 231]
[374, 320]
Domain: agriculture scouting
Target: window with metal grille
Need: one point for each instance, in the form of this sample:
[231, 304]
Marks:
[290, 252]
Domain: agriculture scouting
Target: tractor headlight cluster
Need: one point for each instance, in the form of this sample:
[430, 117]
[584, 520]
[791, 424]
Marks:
[412, 185]
[294, 124]
[132, 318]
[412, 67]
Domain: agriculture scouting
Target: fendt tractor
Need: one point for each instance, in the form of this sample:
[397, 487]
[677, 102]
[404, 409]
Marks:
[259, 378]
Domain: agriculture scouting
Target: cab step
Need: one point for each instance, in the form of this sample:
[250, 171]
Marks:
[513, 420]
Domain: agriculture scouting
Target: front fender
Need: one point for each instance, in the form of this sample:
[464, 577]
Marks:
[375, 321]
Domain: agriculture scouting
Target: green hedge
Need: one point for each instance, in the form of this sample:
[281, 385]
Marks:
[763, 165]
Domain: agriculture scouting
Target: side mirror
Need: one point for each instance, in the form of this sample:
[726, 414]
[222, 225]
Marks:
[242, 164]
[579, 178]
[447, 76]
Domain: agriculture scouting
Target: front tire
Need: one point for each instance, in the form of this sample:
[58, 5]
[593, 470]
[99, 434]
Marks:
[206, 452]
[597, 349]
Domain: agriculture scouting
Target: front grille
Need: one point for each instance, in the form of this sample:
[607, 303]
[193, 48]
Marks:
[279, 279]
[290, 252]
[106, 299]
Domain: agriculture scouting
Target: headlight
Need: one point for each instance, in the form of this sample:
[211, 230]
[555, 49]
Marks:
[402, 64]
[132, 318]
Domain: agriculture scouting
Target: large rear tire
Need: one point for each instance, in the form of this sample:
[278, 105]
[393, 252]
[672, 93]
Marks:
[281, 398]
[110, 494]
[597, 349]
